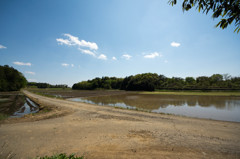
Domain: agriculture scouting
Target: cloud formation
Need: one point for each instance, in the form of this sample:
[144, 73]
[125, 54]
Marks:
[85, 47]
[114, 58]
[2, 47]
[126, 56]
[102, 57]
[175, 44]
[66, 65]
[22, 63]
[87, 52]
[152, 55]
[74, 41]
[29, 72]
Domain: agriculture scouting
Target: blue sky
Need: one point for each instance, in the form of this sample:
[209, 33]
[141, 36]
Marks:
[64, 42]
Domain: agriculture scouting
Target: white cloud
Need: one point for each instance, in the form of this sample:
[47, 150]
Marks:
[32, 80]
[175, 44]
[73, 40]
[114, 58]
[102, 57]
[63, 41]
[31, 73]
[2, 47]
[22, 63]
[87, 52]
[65, 64]
[152, 55]
[126, 56]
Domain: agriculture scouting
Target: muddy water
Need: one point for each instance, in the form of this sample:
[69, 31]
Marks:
[16, 105]
[209, 107]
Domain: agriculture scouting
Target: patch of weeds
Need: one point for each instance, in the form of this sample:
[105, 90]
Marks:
[48, 95]
[42, 111]
[46, 110]
[61, 156]
[3, 116]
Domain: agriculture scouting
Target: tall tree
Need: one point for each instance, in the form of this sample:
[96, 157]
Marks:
[229, 10]
[11, 79]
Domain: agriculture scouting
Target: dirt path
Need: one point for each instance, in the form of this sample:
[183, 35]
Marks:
[105, 132]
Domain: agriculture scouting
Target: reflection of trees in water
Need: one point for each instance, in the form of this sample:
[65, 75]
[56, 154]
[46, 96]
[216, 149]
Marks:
[155, 101]
[232, 103]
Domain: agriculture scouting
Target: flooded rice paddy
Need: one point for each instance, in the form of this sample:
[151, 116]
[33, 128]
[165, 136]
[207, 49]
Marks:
[209, 107]
[16, 105]
[226, 108]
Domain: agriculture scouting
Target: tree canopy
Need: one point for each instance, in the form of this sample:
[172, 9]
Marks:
[229, 10]
[45, 85]
[153, 81]
[11, 79]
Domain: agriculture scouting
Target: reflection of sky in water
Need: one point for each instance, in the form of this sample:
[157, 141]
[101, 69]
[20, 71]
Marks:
[209, 107]
[121, 105]
[202, 112]
[27, 108]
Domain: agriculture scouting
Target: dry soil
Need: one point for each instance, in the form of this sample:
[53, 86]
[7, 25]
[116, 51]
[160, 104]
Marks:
[106, 132]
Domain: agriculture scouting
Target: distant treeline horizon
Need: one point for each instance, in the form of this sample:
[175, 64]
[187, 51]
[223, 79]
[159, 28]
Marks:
[153, 81]
[45, 85]
[13, 80]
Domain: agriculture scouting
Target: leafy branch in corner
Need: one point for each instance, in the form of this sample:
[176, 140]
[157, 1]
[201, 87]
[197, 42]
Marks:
[229, 10]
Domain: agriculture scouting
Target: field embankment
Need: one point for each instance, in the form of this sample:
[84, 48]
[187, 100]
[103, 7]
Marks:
[105, 132]
[196, 93]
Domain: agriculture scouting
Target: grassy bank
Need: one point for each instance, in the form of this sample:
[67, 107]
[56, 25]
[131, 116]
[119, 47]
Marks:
[195, 93]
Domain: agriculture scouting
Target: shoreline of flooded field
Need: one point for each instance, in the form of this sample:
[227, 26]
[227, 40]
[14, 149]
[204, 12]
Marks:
[16, 105]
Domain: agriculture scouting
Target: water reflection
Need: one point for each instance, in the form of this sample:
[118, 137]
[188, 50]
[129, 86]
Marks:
[195, 106]
[163, 101]
[17, 105]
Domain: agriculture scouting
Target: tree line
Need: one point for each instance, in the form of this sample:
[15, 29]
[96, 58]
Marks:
[45, 85]
[11, 79]
[153, 81]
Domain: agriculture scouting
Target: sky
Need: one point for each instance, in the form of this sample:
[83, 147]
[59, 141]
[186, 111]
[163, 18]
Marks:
[65, 42]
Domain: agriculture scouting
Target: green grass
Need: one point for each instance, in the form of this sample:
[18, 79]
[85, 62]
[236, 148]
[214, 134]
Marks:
[47, 95]
[197, 93]
[3, 116]
[61, 156]
[49, 89]
[42, 111]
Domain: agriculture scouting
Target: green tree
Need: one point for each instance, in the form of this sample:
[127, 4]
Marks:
[190, 81]
[145, 81]
[162, 82]
[216, 80]
[175, 83]
[203, 82]
[11, 79]
[229, 10]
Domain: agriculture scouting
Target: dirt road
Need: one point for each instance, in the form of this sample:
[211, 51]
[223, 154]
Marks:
[105, 132]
